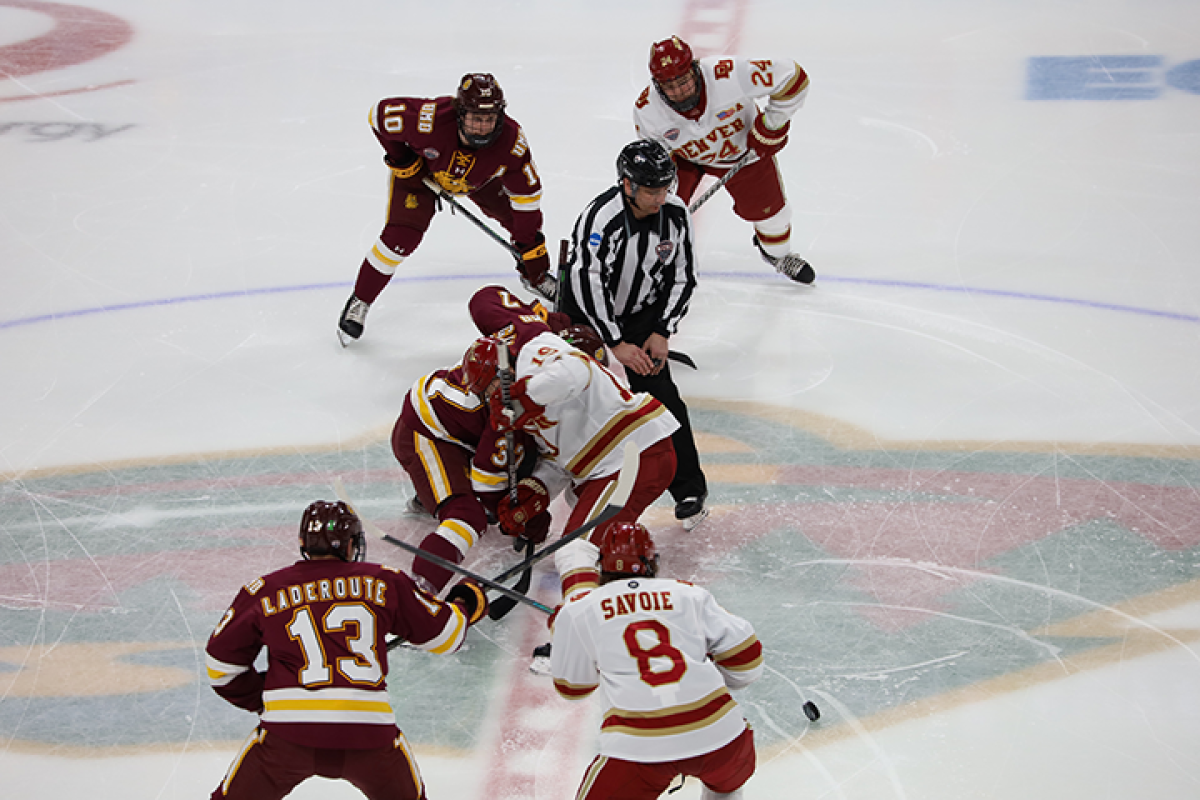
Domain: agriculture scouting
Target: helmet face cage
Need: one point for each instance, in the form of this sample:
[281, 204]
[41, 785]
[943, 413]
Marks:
[332, 529]
[480, 364]
[478, 93]
[646, 163]
[627, 549]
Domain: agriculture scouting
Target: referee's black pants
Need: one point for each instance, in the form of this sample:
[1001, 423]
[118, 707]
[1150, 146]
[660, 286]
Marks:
[689, 478]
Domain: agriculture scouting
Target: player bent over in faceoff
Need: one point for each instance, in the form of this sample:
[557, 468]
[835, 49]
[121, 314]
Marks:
[466, 145]
[323, 701]
[704, 112]
[636, 634]
[581, 416]
[458, 464]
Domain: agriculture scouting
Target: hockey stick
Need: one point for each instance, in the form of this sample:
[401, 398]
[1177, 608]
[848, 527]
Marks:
[682, 358]
[370, 527]
[483, 226]
[498, 610]
[724, 179]
[616, 502]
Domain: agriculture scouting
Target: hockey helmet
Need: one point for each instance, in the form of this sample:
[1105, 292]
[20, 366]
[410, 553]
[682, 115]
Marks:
[670, 60]
[332, 529]
[627, 549]
[479, 93]
[480, 364]
[646, 163]
[585, 338]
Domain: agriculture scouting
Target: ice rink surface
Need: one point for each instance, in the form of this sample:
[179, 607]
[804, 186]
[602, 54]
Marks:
[954, 482]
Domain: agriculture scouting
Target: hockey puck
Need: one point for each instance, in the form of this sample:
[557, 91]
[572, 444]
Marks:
[811, 711]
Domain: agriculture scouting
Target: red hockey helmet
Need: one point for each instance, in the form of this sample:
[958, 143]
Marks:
[478, 93]
[585, 338]
[332, 529]
[627, 549]
[670, 60]
[480, 364]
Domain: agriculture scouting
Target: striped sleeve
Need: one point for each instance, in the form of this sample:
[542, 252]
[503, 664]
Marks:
[734, 646]
[598, 250]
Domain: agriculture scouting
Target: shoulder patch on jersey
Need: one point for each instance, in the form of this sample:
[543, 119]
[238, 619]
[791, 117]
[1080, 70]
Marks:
[671, 135]
[664, 250]
[430, 153]
[594, 240]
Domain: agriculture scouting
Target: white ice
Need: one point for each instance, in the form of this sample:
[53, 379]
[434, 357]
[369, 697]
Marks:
[994, 273]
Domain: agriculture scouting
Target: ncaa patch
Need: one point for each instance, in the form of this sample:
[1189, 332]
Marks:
[594, 240]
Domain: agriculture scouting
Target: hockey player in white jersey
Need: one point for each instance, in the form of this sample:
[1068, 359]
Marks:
[664, 655]
[581, 416]
[704, 111]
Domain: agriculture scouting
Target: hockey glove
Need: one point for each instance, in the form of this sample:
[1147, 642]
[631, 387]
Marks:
[768, 141]
[409, 169]
[520, 517]
[523, 409]
[470, 599]
[535, 261]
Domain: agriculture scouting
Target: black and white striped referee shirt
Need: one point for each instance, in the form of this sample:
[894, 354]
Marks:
[620, 265]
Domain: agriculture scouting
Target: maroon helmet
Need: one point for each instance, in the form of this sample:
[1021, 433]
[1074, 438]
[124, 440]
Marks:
[332, 529]
[671, 59]
[627, 549]
[478, 93]
[585, 338]
[480, 364]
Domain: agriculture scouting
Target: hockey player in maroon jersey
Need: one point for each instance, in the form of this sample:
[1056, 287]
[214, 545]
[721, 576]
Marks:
[322, 701]
[704, 112]
[664, 655]
[466, 145]
[458, 465]
[458, 461]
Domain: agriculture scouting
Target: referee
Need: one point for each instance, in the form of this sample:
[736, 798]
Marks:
[630, 275]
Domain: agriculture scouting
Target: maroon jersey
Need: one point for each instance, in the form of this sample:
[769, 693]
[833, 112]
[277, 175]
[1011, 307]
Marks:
[496, 312]
[439, 406]
[429, 128]
[323, 623]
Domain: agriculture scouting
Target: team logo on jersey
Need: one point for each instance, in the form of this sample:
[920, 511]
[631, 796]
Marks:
[594, 240]
[430, 154]
[664, 250]
[671, 135]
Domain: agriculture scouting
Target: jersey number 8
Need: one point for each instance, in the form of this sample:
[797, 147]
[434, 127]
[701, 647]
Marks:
[649, 658]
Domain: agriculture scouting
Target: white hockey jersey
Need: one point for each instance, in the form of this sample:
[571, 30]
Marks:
[590, 414]
[664, 654]
[719, 136]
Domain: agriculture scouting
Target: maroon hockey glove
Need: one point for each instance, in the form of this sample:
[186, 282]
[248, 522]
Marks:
[521, 517]
[767, 142]
[470, 599]
[535, 261]
[523, 409]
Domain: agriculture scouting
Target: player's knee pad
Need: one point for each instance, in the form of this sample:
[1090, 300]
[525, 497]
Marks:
[462, 519]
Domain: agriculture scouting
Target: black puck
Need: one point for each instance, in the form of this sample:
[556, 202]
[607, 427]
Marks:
[811, 711]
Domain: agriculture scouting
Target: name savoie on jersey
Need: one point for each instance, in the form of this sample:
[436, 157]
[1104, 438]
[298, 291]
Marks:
[631, 602]
[326, 590]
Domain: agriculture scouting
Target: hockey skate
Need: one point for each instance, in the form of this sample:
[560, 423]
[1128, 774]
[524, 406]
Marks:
[691, 511]
[352, 321]
[791, 265]
[546, 288]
